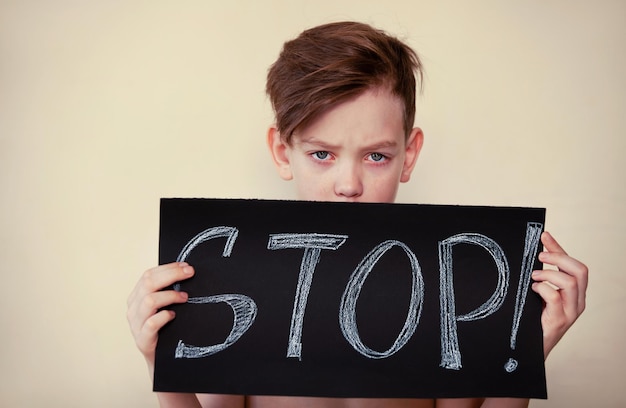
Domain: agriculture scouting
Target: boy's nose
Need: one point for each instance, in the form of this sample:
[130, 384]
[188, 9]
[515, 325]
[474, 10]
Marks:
[348, 183]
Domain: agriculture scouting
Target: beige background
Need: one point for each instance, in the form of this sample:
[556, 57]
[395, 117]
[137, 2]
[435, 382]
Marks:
[107, 106]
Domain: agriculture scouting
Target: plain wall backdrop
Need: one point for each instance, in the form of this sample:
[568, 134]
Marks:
[106, 106]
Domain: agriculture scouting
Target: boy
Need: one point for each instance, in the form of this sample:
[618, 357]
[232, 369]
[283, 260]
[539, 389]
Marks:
[344, 99]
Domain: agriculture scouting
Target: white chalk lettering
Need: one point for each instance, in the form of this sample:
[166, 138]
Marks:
[531, 245]
[230, 233]
[450, 353]
[347, 311]
[244, 308]
[313, 244]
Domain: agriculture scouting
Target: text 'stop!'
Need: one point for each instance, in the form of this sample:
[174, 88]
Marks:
[352, 300]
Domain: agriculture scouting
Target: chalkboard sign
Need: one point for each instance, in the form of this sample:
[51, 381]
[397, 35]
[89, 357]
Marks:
[352, 300]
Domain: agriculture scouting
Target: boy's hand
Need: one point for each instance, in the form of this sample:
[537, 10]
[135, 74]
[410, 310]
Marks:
[563, 291]
[144, 317]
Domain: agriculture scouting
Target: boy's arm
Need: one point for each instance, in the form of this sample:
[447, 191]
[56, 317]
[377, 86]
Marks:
[563, 291]
[146, 317]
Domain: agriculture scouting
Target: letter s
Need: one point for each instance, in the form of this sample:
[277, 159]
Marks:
[244, 308]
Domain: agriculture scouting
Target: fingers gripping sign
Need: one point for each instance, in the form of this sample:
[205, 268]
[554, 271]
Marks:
[563, 290]
[145, 313]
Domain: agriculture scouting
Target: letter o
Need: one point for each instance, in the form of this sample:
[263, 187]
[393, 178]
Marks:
[347, 310]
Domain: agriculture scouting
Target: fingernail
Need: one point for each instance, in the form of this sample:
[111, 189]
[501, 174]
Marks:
[184, 296]
[187, 270]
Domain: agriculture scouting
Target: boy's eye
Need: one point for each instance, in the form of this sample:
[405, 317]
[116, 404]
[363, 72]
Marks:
[377, 157]
[321, 155]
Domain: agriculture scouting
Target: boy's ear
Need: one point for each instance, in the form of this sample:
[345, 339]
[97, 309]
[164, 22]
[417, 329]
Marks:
[412, 151]
[280, 153]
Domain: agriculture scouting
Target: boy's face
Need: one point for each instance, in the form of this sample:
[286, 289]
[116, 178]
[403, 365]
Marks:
[356, 151]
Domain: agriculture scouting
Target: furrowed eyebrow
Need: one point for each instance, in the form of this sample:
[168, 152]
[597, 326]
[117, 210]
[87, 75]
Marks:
[326, 146]
[317, 143]
[382, 145]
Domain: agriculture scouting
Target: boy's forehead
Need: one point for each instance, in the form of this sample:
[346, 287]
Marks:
[373, 110]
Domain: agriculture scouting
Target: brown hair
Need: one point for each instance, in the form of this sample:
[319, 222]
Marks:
[328, 64]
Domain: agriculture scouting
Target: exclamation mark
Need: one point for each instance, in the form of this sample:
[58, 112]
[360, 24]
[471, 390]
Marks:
[531, 245]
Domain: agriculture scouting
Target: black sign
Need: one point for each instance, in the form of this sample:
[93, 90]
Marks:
[352, 300]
